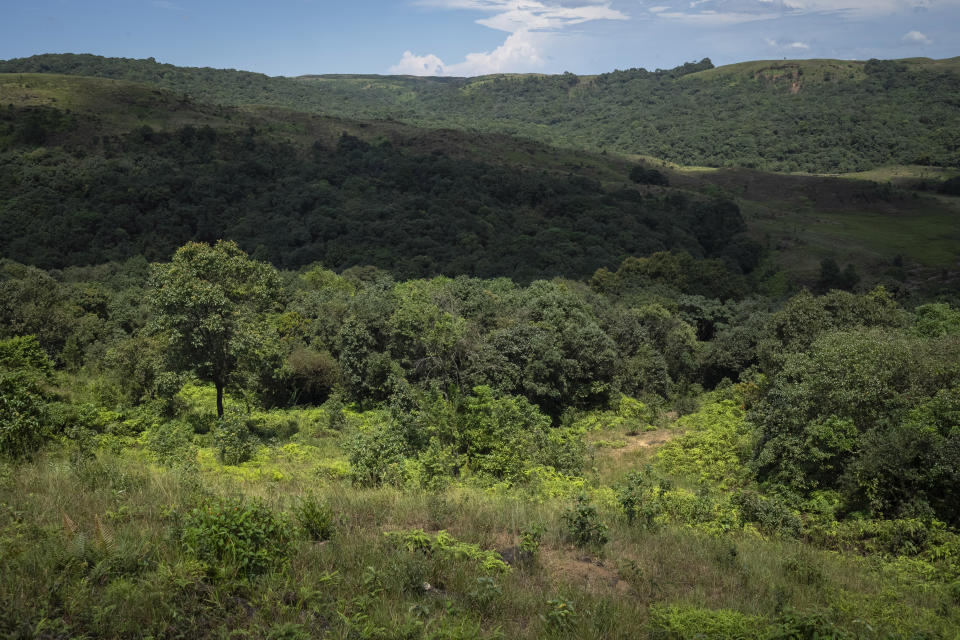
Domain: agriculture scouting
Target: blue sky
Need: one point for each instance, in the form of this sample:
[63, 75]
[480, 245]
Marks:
[475, 37]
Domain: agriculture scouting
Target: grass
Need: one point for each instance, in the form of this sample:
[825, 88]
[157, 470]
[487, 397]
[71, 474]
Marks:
[928, 236]
[90, 546]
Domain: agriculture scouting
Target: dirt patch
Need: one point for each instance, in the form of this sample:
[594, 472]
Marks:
[646, 440]
[570, 565]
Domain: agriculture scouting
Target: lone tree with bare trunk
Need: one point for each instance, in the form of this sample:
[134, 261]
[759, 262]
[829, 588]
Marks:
[207, 301]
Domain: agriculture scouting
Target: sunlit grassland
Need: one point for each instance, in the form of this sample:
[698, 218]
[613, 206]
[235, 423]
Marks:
[928, 236]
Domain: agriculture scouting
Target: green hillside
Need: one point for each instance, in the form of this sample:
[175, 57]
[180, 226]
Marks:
[98, 170]
[821, 116]
[115, 169]
[268, 372]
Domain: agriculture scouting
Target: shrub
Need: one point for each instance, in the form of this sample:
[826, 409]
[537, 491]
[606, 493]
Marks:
[236, 537]
[22, 414]
[769, 512]
[24, 352]
[24, 366]
[793, 625]
[561, 615]
[169, 441]
[635, 501]
[564, 450]
[336, 418]
[315, 518]
[377, 456]
[687, 622]
[498, 434]
[530, 538]
[484, 593]
[714, 449]
[233, 440]
[642, 175]
[273, 426]
[446, 547]
[583, 524]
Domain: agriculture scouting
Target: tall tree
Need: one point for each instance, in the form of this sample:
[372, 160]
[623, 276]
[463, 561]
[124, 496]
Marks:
[207, 301]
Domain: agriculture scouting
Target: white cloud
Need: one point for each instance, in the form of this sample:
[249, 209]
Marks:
[521, 50]
[915, 37]
[788, 46]
[737, 11]
[530, 24]
[412, 65]
[710, 17]
[530, 16]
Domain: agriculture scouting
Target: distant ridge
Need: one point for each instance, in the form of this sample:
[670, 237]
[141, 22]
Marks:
[819, 116]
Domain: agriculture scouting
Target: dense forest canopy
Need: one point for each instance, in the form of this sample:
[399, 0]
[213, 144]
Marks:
[824, 116]
[69, 197]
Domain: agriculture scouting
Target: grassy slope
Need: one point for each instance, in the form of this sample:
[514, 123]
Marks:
[864, 219]
[91, 543]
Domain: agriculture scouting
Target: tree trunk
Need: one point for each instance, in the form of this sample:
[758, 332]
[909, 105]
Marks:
[219, 386]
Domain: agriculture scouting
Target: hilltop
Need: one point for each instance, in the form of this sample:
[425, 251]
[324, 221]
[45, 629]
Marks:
[821, 116]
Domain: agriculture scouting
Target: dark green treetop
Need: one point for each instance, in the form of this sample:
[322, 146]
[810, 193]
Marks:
[206, 301]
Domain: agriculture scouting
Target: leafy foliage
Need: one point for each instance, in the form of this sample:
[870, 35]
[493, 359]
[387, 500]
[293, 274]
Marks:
[24, 368]
[315, 517]
[448, 548]
[583, 524]
[236, 536]
[205, 302]
[233, 439]
[715, 449]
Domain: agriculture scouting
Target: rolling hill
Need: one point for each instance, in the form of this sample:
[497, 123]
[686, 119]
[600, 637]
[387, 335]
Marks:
[115, 168]
[96, 170]
[821, 116]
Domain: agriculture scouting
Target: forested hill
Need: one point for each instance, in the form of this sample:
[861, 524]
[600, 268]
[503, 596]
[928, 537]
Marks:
[822, 116]
[93, 170]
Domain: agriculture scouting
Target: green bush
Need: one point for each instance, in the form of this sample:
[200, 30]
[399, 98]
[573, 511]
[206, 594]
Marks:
[561, 616]
[22, 414]
[170, 441]
[564, 450]
[633, 496]
[24, 352]
[679, 622]
[447, 548]
[377, 456]
[583, 524]
[232, 438]
[484, 593]
[236, 537]
[530, 538]
[794, 625]
[904, 537]
[315, 518]
[275, 425]
[717, 444]
[336, 418]
[499, 434]
[770, 513]
[24, 368]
